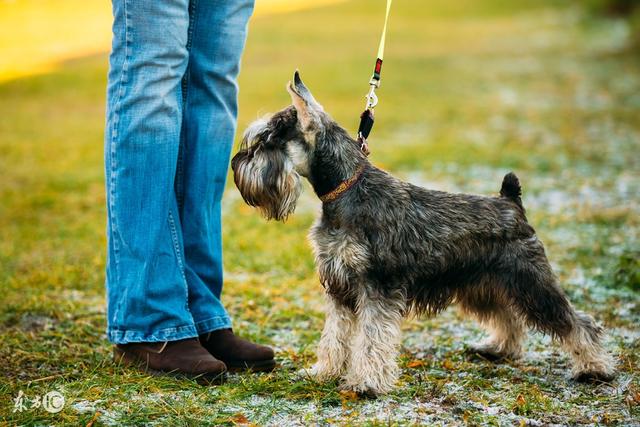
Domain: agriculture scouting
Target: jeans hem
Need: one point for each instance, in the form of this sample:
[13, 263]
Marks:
[213, 324]
[169, 334]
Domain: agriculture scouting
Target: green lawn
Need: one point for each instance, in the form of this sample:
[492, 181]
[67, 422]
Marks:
[471, 89]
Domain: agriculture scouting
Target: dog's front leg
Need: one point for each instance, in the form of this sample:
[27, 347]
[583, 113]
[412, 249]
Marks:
[373, 367]
[333, 349]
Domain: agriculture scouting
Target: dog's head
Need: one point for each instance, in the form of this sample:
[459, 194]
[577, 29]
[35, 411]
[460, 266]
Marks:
[276, 151]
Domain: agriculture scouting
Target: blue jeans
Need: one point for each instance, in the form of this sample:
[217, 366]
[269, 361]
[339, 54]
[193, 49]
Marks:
[171, 120]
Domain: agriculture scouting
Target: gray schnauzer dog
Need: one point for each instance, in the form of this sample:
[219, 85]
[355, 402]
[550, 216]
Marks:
[386, 249]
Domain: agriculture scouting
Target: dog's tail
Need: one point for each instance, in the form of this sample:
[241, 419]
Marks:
[511, 188]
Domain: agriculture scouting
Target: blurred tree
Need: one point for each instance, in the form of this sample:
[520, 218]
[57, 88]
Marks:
[625, 9]
[613, 7]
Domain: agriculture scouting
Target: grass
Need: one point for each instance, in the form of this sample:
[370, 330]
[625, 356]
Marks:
[37, 35]
[471, 89]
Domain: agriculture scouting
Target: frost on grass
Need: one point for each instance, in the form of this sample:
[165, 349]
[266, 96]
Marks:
[440, 385]
[104, 416]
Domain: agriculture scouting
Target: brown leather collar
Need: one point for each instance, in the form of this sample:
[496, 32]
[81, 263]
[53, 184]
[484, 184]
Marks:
[343, 186]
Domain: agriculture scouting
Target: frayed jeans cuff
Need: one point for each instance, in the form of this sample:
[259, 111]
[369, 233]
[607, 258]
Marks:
[169, 334]
[213, 324]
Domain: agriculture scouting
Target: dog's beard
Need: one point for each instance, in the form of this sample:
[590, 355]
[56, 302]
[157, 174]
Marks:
[267, 180]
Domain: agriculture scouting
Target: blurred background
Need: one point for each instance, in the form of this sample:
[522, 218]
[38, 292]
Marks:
[471, 89]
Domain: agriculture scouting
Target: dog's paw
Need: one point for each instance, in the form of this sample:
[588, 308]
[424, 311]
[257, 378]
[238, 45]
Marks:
[491, 353]
[595, 370]
[318, 373]
[593, 377]
[486, 353]
[369, 386]
[303, 374]
[362, 390]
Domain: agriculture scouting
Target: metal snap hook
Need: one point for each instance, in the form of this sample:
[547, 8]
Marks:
[371, 97]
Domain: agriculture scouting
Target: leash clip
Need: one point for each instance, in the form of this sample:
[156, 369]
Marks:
[371, 97]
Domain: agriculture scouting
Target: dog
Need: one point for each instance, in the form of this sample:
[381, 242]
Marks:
[386, 249]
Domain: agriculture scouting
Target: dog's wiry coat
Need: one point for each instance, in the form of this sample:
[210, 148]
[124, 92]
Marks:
[386, 248]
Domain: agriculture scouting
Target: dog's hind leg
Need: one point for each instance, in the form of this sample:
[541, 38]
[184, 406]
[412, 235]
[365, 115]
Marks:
[536, 295]
[334, 346]
[373, 367]
[506, 328]
[591, 361]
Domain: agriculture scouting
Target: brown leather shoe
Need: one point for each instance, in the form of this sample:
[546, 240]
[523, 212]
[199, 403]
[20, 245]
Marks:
[237, 353]
[183, 358]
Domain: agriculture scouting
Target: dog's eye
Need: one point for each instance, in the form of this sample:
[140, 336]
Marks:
[270, 140]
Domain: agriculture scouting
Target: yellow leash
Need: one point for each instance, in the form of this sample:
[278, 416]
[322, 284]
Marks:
[384, 31]
[366, 118]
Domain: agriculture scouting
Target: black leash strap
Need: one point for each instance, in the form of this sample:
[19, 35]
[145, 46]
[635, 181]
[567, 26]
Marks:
[367, 117]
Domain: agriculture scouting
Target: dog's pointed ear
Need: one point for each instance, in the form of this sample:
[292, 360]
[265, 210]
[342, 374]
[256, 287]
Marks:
[305, 104]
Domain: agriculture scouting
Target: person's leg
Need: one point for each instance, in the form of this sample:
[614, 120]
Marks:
[146, 285]
[217, 33]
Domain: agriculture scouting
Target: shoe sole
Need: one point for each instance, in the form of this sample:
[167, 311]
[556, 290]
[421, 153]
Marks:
[125, 359]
